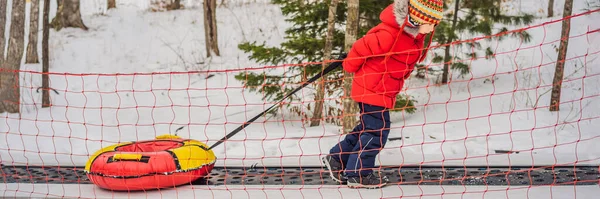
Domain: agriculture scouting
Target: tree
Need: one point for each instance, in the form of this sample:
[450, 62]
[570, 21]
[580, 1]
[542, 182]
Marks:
[562, 54]
[68, 14]
[550, 8]
[305, 43]
[45, 56]
[3, 73]
[318, 112]
[478, 17]
[350, 107]
[2, 26]
[32, 54]
[176, 4]
[111, 4]
[9, 74]
[210, 28]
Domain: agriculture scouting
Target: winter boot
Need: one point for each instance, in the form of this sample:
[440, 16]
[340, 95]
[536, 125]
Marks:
[371, 181]
[335, 169]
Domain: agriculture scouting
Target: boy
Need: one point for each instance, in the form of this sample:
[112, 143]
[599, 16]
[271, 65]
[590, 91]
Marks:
[393, 48]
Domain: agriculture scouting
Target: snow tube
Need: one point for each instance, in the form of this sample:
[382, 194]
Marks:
[167, 161]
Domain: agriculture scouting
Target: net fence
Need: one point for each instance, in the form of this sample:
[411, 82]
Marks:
[487, 132]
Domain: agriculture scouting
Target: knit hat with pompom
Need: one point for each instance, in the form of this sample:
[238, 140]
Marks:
[425, 11]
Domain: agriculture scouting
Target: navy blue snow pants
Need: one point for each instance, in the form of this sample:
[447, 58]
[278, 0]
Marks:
[359, 148]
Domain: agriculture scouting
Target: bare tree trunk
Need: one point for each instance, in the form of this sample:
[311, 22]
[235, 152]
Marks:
[2, 26]
[210, 28]
[68, 14]
[551, 8]
[175, 5]
[318, 112]
[446, 72]
[350, 107]
[32, 54]
[111, 4]
[447, 56]
[45, 56]
[9, 77]
[562, 54]
[3, 10]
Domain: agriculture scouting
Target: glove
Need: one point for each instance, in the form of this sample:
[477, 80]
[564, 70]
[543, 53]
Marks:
[342, 56]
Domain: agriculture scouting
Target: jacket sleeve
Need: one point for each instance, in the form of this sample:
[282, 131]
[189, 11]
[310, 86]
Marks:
[376, 43]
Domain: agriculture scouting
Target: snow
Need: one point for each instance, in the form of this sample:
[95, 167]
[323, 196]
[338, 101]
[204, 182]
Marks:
[114, 84]
[296, 191]
[172, 48]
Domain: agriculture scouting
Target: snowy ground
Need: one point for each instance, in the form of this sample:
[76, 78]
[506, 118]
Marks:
[460, 124]
[288, 192]
[463, 123]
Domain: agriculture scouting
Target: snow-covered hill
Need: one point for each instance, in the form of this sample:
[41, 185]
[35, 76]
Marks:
[114, 84]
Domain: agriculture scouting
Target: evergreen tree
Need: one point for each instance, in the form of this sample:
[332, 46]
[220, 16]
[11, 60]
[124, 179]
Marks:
[305, 42]
[476, 18]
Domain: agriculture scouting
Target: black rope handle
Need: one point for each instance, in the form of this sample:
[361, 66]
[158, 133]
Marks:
[329, 68]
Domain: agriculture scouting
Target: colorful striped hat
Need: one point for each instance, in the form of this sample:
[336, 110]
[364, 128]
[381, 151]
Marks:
[425, 11]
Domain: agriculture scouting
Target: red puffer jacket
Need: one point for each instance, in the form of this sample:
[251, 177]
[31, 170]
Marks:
[380, 77]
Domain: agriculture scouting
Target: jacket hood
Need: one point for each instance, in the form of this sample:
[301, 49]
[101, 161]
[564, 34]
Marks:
[395, 15]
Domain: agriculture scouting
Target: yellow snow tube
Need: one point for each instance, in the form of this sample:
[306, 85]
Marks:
[167, 161]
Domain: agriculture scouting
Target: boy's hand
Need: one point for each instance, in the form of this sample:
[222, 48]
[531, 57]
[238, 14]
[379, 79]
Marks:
[342, 56]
